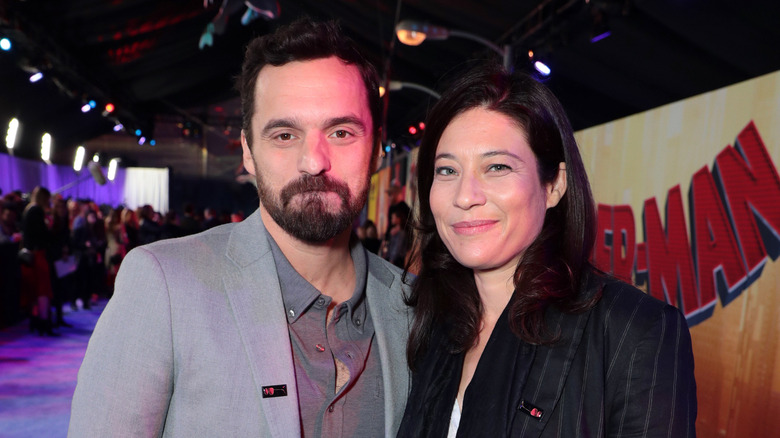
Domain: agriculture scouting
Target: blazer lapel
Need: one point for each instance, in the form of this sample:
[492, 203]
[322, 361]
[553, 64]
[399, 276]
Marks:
[252, 288]
[549, 371]
[391, 325]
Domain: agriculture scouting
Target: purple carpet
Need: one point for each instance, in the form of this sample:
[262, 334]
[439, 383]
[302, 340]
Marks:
[38, 376]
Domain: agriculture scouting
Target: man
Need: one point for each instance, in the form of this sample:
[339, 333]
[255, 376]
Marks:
[279, 325]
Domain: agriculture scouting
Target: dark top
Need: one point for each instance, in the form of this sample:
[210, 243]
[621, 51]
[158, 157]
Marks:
[623, 368]
[35, 233]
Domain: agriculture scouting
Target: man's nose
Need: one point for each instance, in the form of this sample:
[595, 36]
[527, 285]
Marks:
[314, 156]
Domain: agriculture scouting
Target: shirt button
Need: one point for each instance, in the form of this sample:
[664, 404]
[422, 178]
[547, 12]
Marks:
[320, 301]
[330, 408]
[357, 322]
[349, 354]
[291, 312]
[319, 348]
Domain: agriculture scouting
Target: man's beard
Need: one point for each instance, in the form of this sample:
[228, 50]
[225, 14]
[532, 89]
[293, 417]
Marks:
[308, 218]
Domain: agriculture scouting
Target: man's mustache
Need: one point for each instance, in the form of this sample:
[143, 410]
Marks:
[314, 183]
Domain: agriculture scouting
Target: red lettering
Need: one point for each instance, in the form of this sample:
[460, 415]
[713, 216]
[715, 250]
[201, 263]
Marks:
[670, 268]
[623, 242]
[715, 251]
[602, 250]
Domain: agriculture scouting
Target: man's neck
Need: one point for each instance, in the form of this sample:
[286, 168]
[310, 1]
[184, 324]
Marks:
[327, 266]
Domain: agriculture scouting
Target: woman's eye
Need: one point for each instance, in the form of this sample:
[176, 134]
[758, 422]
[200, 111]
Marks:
[498, 168]
[444, 171]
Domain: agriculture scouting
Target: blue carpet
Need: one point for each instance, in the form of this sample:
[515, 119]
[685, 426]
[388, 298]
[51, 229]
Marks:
[38, 376]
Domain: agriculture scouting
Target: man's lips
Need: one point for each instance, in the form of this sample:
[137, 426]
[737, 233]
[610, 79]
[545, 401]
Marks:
[474, 226]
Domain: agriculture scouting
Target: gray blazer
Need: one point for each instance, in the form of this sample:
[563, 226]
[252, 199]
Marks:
[196, 328]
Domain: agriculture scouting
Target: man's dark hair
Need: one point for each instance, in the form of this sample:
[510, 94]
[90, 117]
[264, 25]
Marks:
[304, 40]
[552, 268]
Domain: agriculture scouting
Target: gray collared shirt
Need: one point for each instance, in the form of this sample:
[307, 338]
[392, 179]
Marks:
[357, 409]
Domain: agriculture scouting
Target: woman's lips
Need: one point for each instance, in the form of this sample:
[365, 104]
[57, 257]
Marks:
[473, 227]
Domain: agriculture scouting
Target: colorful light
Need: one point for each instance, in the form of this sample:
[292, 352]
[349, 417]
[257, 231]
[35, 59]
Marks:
[542, 68]
[412, 130]
[142, 140]
[109, 107]
[5, 44]
[85, 108]
[36, 77]
[112, 169]
[118, 127]
[137, 132]
[92, 103]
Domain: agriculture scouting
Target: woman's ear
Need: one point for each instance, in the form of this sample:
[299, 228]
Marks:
[557, 188]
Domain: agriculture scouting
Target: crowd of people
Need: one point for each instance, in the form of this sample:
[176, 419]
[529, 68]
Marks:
[70, 249]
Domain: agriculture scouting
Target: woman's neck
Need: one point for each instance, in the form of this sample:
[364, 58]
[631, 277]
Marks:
[495, 289]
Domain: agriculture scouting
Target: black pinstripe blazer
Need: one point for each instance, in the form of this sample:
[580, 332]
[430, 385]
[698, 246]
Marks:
[623, 368]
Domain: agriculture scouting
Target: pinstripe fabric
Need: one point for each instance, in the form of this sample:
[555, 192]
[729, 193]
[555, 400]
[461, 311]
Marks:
[622, 369]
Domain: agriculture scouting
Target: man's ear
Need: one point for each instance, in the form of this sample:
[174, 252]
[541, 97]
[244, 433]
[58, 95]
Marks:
[557, 188]
[249, 163]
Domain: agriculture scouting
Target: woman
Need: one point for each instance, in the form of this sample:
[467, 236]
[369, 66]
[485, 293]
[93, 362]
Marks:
[515, 333]
[37, 290]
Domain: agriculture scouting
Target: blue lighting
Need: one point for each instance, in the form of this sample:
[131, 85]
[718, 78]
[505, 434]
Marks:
[542, 68]
[5, 44]
[137, 132]
[600, 37]
[92, 104]
[152, 142]
[387, 148]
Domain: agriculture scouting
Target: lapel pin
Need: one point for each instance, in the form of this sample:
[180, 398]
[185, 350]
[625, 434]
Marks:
[274, 391]
[531, 410]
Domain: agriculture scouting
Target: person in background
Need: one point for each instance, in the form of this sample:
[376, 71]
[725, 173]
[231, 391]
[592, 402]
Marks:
[36, 273]
[397, 243]
[515, 333]
[114, 251]
[60, 250]
[282, 324]
[9, 224]
[148, 228]
[170, 227]
[129, 232]
[189, 224]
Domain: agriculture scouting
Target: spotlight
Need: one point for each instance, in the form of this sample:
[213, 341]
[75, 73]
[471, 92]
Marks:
[85, 108]
[10, 137]
[92, 103]
[46, 147]
[96, 158]
[78, 162]
[142, 140]
[112, 169]
[137, 132]
[36, 77]
[600, 36]
[542, 68]
[109, 107]
[118, 127]
[5, 44]
[422, 126]
[412, 130]
[152, 142]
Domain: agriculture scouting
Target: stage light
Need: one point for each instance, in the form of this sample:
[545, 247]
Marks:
[46, 147]
[137, 132]
[36, 77]
[112, 169]
[78, 162]
[152, 142]
[382, 91]
[422, 125]
[109, 107]
[142, 140]
[85, 108]
[412, 130]
[10, 137]
[600, 36]
[542, 68]
[96, 158]
[5, 44]
[387, 148]
[92, 103]
[118, 127]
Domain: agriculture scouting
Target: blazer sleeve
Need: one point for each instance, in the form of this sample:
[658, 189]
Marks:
[653, 384]
[126, 379]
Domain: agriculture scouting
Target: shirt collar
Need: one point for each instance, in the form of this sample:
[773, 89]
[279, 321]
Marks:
[298, 294]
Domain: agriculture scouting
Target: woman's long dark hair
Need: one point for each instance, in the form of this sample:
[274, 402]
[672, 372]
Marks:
[552, 268]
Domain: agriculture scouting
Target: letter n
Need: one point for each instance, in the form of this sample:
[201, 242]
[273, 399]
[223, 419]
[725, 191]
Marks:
[670, 268]
[718, 264]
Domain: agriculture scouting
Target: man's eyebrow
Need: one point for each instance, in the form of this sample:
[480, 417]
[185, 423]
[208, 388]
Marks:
[345, 120]
[278, 123]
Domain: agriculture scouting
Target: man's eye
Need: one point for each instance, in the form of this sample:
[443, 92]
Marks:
[341, 133]
[285, 136]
